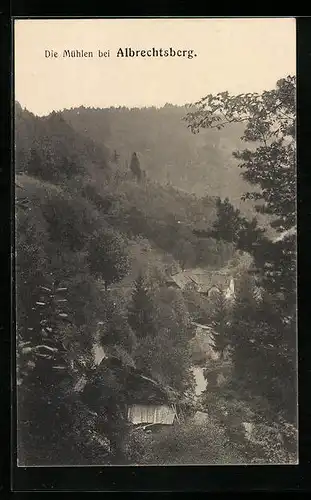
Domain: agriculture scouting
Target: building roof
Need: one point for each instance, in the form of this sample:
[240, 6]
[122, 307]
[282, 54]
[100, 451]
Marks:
[151, 414]
[200, 326]
[181, 280]
[203, 281]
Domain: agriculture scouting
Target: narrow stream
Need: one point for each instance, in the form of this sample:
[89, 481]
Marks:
[200, 382]
[99, 353]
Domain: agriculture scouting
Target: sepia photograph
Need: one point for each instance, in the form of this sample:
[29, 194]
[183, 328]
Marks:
[155, 241]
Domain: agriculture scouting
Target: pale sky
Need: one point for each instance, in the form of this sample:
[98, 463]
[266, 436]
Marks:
[238, 55]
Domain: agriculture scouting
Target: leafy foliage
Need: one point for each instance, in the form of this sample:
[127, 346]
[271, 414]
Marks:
[263, 355]
[107, 256]
[66, 239]
[167, 152]
[262, 333]
[271, 125]
[142, 311]
[84, 222]
[48, 367]
[251, 434]
[48, 148]
[219, 319]
[187, 443]
[135, 167]
[163, 346]
[115, 331]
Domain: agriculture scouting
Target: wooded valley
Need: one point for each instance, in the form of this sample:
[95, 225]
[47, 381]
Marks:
[111, 206]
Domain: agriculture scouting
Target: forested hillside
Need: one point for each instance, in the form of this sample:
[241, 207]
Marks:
[109, 205]
[49, 150]
[94, 248]
[201, 163]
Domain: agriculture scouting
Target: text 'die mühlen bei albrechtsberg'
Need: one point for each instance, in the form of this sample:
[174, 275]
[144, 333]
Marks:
[126, 52]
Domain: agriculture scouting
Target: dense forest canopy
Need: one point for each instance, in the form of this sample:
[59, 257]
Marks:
[88, 227]
[263, 333]
[110, 203]
[202, 164]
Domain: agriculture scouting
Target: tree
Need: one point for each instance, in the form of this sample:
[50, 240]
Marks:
[34, 166]
[107, 256]
[115, 157]
[264, 368]
[220, 322]
[269, 165]
[135, 167]
[184, 253]
[141, 311]
[171, 355]
[114, 332]
[105, 395]
[68, 168]
[71, 220]
[45, 374]
[160, 320]
[270, 125]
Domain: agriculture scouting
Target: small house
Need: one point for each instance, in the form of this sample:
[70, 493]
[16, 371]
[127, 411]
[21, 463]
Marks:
[182, 281]
[150, 415]
[149, 404]
[213, 283]
[205, 282]
[143, 400]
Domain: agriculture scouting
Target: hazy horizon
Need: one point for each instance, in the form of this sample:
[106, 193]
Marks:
[237, 55]
[116, 106]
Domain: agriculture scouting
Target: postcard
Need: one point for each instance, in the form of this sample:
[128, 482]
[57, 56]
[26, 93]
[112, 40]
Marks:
[155, 241]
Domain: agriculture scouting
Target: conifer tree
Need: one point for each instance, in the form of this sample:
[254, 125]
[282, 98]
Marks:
[264, 336]
[185, 254]
[34, 166]
[115, 157]
[141, 312]
[270, 166]
[220, 321]
[135, 167]
[44, 371]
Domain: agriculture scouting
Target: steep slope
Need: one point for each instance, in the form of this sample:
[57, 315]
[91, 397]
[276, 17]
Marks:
[49, 148]
[100, 193]
[86, 229]
[199, 163]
